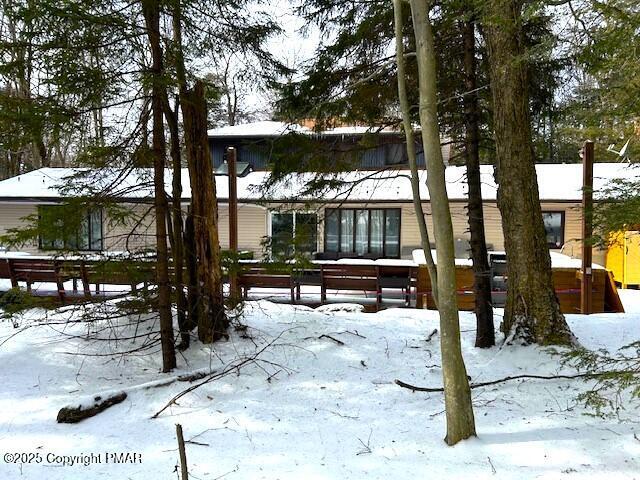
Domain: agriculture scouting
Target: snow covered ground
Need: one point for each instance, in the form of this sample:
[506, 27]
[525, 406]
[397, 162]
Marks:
[310, 408]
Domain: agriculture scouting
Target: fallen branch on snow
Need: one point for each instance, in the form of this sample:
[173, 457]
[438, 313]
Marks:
[435, 330]
[234, 367]
[414, 388]
[339, 342]
[90, 406]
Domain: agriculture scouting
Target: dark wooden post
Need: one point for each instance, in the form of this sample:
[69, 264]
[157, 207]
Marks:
[233, 217]
[586, 283]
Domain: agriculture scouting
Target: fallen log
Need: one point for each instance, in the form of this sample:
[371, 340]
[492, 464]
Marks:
[81, 412]
[77, 412]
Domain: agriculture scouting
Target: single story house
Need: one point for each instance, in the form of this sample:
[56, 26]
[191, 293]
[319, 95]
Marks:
[369, 215]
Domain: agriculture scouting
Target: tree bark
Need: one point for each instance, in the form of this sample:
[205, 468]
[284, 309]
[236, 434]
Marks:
[457, 395]
[151, 14]
[184, 323]
[411, 148]
[212, 320]
[532, 311]
[191, 263]
[485, 334]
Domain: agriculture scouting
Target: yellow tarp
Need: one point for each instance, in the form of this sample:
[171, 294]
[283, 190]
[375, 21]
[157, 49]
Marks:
[623, 257]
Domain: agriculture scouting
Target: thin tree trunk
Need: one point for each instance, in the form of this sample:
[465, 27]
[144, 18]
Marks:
[457, 394]
[190, 254]
[485, 333]
[532, 311]
[152, 19]
[212, 320]
[178, 227]
[411, 149]
[191, 263]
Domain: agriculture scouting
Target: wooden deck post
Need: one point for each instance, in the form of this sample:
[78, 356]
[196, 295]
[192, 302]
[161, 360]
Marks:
[233, 217]
[586, 282]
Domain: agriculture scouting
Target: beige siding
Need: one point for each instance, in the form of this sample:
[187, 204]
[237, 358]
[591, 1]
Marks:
[138, 232]
[11, 216]
[133, 234]
[252, 227]
[410, 234]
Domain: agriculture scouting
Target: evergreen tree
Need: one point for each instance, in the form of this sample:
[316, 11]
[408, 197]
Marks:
[532, 309]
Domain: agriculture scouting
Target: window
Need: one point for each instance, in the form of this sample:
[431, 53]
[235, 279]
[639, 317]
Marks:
[363, 232]
[395, 154]
[554, 227]
[61, 229]
[293, 232]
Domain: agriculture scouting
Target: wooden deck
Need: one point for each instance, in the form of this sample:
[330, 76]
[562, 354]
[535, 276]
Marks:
[374, 285]
[566, 282]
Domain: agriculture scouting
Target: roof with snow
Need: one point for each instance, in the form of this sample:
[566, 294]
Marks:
[275, 129]
[562, 182]
[258, 129]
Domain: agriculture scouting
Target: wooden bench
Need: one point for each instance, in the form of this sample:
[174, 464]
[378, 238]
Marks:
[307, 276]
[5, 272]
[364, 278]
[260, 276]
[31, 270]
[397, 277]
[36, 270]
[119, 272]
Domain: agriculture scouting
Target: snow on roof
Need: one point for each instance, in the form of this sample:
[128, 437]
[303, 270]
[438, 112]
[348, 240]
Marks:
[276, 129]
[258, 129]
[358, 130]
[555, 182]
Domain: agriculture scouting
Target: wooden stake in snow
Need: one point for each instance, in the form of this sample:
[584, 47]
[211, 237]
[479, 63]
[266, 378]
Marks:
[184, 473]
[586, 281]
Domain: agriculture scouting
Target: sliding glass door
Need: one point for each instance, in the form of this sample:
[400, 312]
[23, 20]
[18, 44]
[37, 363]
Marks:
[368, 232]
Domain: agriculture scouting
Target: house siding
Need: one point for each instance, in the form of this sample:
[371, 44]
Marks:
[257, 152]
[252, 227]
[410, 233]
[139, 232]
[135, 233]
[11, 216]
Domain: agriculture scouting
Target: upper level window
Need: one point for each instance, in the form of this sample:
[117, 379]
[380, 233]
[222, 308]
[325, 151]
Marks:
[61, 231]
[554, 228]
[373, 232]
[395, 154]
[293, 233]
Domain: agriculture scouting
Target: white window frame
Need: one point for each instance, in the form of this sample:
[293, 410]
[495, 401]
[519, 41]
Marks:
[271, 212]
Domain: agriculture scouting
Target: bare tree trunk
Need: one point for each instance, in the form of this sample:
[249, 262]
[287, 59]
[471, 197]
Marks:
[191, 263]
[212, 320]
[485, 333]
[457, 394]
[207, 297]
[411, 148]
[151, 13]
[178, 226]
[532, 310]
